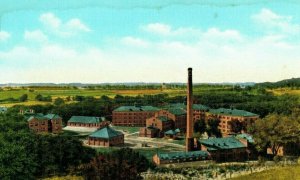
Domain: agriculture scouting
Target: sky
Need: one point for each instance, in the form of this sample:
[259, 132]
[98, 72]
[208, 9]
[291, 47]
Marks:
[148, 41]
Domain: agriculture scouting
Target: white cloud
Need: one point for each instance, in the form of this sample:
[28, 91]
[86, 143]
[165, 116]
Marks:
[274, 22]
[67, 29]
[36, 36]
[132, 41]
[158, 28]
[216, 34]
[77, 25]
[4, 35]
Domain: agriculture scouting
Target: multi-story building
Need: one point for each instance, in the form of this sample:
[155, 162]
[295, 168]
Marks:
[170, 117]
[227, 115]
[40, 123]
[132, 115]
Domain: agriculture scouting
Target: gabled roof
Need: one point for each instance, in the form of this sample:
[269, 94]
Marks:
[41, 117]
[52, 116]
[86, 119]
[232, 112]
[222, 143]
[106, 133]
[136, 108]
[183, 155]
[180, 109]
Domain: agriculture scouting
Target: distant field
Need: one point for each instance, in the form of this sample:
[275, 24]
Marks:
[64, 92]
[281, 91]
[280, 173]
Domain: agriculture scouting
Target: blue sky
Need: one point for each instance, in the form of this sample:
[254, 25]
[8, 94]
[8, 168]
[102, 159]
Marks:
[151, 41]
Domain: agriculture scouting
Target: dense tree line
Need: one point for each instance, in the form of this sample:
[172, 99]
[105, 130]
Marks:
[277, 130]
[25, 155]
[120, 164]
[260, 102]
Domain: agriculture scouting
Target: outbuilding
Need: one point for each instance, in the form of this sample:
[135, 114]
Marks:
[106, 136]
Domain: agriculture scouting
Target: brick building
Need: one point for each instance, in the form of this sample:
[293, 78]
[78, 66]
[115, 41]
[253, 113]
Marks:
[132, 115]
[170, 117]
[40, 123]
[227, 115]
[87, 121]
[178, 157]
[106, 136]
[225, 149]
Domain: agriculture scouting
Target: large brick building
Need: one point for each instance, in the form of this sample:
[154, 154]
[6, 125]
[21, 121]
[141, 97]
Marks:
[172, 116]
[40, 123]
[132, 115]
[225, 149]
[87, 121]
[227, 115]
[106, 136]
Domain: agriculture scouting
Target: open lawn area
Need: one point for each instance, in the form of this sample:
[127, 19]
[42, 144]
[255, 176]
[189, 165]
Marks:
[280, 173]
[127, 129]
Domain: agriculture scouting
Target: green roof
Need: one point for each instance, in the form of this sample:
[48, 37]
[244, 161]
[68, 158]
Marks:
[41, 117]
[86, 119]
[200, 107]
[183, 155]
[232, 112]
[136, 108]
[248, 137]
[52, 116]
[163, 118]
[170, 132]
[180, 109]
[106, 133]
[222, 143]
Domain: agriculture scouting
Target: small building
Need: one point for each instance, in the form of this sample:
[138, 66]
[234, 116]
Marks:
[173, 134]
[50, 123]
[248, 141]
[224, 149]
[178, 157]
[87, 121]
[132, 115]
[150, 132]
[106, 136]
[3, 110]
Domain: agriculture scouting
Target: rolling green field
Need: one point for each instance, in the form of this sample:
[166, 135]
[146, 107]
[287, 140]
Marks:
[64, 92]
[280, 173]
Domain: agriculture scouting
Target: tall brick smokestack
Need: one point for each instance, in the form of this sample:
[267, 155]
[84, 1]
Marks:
[189, 123]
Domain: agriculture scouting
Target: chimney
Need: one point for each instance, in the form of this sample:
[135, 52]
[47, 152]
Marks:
[189, 123]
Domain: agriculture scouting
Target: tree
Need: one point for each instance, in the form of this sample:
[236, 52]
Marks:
[275, 131]
[59, 101]
[213, 127]
[23, 98]
[236, 126]
[121, 164]
[39, 97]
[200, 126]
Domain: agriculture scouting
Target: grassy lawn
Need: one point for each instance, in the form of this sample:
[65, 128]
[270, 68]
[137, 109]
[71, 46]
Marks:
[127, 129]
[280, 173]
